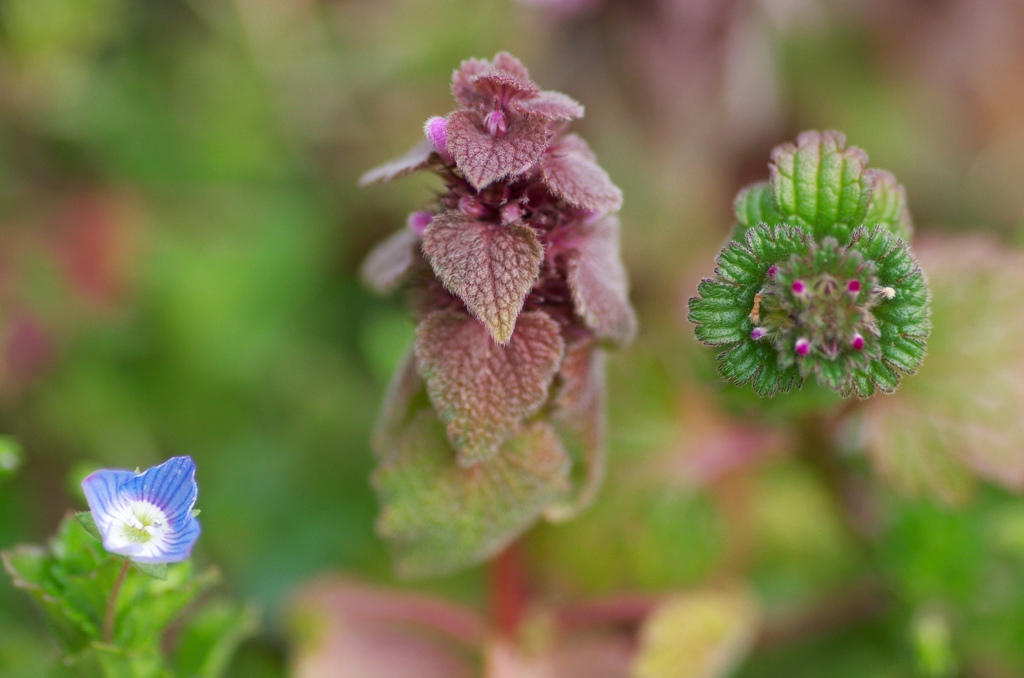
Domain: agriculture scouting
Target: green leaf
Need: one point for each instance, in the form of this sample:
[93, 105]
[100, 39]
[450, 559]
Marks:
[722, 310]
[86, 520]
[754, 205]
[11, 456]
[702, 634]
[440, 517]
[888, 205]
[210, 639]
[904, 321]
[820, 185]
[154, 570]
[480, 389]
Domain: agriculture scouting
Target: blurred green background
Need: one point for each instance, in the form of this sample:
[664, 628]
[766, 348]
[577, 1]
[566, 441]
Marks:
[180, 234]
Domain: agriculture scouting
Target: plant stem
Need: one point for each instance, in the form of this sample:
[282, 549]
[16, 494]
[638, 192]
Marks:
[508, 590]
[108, 619]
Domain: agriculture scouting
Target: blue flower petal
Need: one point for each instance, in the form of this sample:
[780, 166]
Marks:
[102, 493]
[171, 486]
[176, 546]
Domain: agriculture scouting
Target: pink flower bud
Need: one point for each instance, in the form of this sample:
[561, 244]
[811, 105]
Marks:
[798, 287]
[853, 287]
[418, 221]
[436, 130]
[857, 342]
[472, 206]
[758, 333]
[802, 346]
[511, 212]
[772, 272]
[496, 124]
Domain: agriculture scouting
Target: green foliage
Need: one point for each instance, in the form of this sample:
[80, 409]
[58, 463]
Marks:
[72, 580]
[10, 457]
[817, 280]
[440, 517]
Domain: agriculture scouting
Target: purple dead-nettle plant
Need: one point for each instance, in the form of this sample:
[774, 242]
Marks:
[496, 415]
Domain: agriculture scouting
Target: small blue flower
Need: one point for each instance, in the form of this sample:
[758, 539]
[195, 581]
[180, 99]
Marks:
[146, 516]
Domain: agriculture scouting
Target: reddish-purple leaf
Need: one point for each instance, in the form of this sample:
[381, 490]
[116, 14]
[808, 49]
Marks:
[439, 517]
[390, 262]
[399, 400]
[552, 105]
[571, 173]
[478, 81]
[490, 267]
[484, 159]
[599, 283]
[482, 391]
[578, 418]
[416, 159]
[346, 630]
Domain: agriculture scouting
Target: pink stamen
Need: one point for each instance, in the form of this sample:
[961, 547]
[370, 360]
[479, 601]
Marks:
[802, 347]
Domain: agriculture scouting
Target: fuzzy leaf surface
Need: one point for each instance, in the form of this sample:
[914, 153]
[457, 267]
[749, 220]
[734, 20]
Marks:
[418, 157]
[721, 311]
[571, 171]
[484, 159]
[389, 263]
[754, 205]
[552, 105]
[820, 185]
[439, 517]
[578, 417]
[403, 393]
[888, 205]
[904, 322]
[491, 268]
[599, 284]
[482, 391]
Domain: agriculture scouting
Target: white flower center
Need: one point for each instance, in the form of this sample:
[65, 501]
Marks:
[139, 523]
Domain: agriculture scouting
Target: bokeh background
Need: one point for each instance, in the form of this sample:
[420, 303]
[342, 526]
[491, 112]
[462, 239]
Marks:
[180, 236]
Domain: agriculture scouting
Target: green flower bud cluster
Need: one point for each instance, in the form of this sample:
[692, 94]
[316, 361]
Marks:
[818, 278]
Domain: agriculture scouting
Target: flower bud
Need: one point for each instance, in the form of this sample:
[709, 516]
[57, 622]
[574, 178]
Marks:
[436, 131]
[496, 124]
[802, 347]
[418, 221]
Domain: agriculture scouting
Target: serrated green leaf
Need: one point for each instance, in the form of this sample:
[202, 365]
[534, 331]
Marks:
[754, 205]
[820, 185]
[439, 517]
[888, 205]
